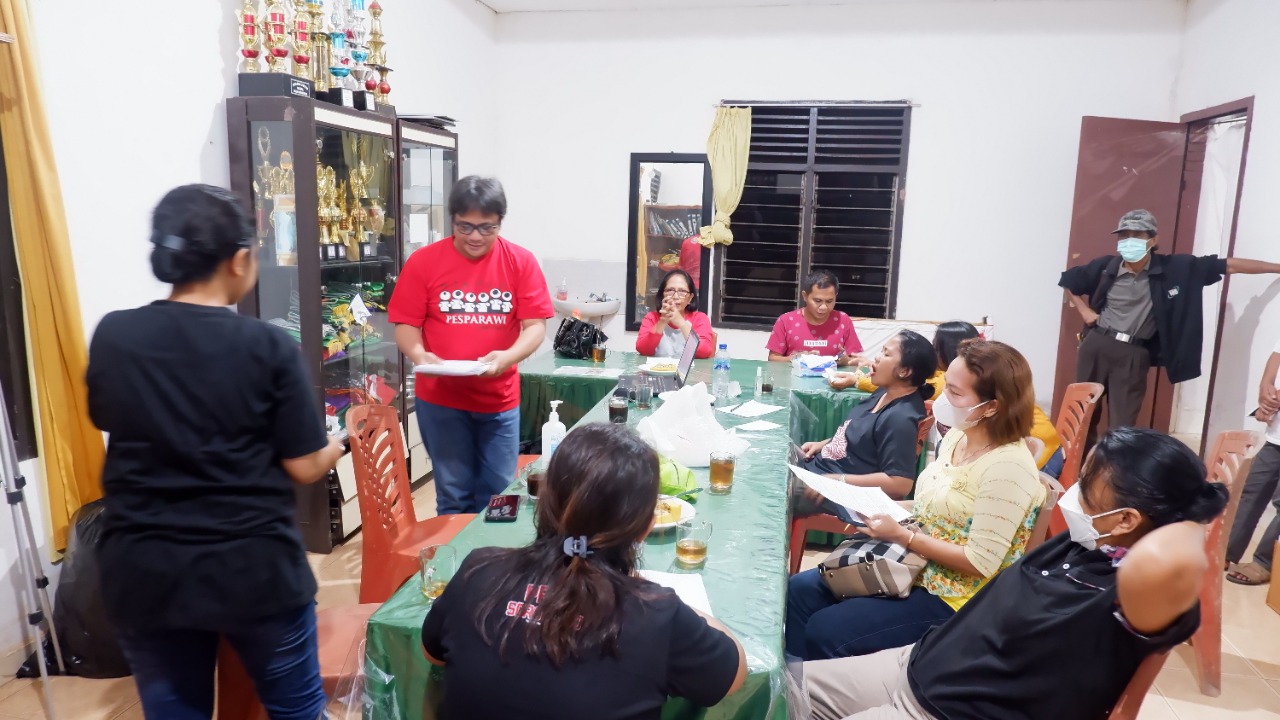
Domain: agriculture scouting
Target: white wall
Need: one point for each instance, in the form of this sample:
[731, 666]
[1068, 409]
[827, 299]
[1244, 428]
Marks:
[1231, 52]
[1001, 88]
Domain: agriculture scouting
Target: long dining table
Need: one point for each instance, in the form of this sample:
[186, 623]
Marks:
[745, 574]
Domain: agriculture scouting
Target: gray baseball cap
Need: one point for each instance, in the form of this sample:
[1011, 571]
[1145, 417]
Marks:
[1139, 220]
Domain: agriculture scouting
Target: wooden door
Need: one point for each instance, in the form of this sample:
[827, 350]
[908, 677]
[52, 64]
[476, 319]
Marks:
[1123, 165]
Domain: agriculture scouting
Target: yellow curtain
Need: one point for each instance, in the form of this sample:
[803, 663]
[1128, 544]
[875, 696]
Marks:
[71, 449]
[727, 149]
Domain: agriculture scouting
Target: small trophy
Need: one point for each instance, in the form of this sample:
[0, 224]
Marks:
[359, 37]
[319, 46]
[249, 49]
[273, 31]
[301, 40]
[378, 56]
[340, 92]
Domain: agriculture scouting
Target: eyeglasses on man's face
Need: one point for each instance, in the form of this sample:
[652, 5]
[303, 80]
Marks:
[465, 228]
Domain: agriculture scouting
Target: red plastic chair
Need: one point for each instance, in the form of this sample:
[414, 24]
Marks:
[1079, 403]
[823, 522]
[392, 534]
[1228, 464]
[1135, 692]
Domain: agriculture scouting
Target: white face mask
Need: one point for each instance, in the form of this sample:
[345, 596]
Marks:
[1079, 523]
[953, 417]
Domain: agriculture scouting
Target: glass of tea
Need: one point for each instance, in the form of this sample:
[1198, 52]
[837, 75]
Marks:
[533, 482]
[692, 537]
[766, 383]
[438, 563]
[644, 398]
[618, 409]
[598, 352]
[722, 462]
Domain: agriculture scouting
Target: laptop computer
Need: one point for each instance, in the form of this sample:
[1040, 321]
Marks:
[664, 383]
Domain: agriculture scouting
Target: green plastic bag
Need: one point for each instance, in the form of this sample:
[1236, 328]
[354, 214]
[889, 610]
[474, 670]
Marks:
[674, 478]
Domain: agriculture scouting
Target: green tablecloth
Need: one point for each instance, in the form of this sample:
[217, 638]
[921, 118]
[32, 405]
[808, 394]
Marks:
[745, 576]
[539, 385]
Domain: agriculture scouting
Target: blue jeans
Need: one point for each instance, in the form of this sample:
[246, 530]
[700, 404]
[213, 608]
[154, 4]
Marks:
[820, 627]
[1053, 468]
[473, 454]
[174, 668]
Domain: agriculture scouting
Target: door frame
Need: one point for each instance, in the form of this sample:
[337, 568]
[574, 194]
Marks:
[1163, 410]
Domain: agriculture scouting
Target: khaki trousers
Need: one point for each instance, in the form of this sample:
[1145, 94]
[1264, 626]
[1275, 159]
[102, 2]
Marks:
[867, 687]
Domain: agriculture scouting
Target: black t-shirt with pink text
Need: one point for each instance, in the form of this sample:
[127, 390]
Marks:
[665, 649]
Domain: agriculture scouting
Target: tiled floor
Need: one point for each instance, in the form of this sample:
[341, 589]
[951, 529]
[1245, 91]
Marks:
[1250, 663]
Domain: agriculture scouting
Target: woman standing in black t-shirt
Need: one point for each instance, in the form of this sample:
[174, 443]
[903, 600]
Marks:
[564, 628]
[211, 420]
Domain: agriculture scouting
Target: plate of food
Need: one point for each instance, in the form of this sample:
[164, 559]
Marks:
[670, 511]
[660, 366]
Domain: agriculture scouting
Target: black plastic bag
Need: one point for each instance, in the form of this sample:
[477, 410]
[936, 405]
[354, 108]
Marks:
[89, 643]
[575, 338]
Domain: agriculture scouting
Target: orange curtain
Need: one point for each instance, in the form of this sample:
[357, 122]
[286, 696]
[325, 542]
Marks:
[71, 449]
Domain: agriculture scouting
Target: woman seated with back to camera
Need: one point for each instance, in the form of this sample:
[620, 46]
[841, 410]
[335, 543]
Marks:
[664, 332]
[564, 628]
[876, 445]
[976, 505]
[1059, 635]
[946, 339]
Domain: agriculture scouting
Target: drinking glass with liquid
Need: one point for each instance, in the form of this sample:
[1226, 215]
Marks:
[438, 563]
[692, 538]
[618, 409]
[598, 353]
[644, 398]
[722, 464]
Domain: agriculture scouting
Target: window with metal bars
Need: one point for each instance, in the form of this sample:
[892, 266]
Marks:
[14, 377]
[824, 191]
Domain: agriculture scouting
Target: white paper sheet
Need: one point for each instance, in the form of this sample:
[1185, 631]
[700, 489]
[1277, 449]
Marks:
[689, 587]
[751, 408]
[758, 426]
[420, 231]
[452, 367]
[862, 500]
[589, 372]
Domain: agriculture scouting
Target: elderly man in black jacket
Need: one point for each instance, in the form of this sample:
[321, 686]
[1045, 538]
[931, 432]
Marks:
[1143, 308]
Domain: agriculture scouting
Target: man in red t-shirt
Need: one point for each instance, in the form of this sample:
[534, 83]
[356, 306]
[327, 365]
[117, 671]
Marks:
[471, 296]
[817, 328]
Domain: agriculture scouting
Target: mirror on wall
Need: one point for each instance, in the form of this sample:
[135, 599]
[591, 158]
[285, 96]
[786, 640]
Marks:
[670, 203]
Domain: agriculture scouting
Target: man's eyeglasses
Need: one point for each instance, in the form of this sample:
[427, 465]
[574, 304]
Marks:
[466, 228]
[674, 291]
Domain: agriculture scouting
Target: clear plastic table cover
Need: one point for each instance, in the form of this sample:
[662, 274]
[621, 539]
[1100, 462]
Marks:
[745, 573]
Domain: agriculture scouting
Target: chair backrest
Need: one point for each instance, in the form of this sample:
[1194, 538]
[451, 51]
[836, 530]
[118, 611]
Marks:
[1135, 692]
[1228, 463]
[382, 477]
[1052, 491]
[1079, 403]
[1035, 445]
[923, 428]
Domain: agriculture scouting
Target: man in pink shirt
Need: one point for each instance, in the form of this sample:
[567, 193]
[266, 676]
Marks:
[817, 328]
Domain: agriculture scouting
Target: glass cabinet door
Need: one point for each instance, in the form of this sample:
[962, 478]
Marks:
[427, 175]
[359, 262]
[275, 219]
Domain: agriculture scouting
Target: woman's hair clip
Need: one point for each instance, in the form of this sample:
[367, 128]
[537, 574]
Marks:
[577, 547]
[175, 243]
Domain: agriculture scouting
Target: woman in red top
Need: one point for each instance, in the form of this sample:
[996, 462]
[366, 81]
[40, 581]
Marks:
[664, 332]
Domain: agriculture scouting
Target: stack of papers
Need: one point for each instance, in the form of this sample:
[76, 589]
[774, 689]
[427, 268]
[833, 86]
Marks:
[861, 500]
[689, 588]
[758, 426]
[452, 367]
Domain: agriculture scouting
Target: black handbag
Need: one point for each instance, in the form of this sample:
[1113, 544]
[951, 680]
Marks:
[575, 339]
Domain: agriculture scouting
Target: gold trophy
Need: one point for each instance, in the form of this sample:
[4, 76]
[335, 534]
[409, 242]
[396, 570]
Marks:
[319, 47]
[249, 46]
[301, 40]
[275, 36]
[378, 54]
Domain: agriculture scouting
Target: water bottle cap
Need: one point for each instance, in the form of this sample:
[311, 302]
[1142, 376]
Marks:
[723, 346]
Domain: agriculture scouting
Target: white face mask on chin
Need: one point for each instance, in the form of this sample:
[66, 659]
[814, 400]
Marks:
[953, 417]
[1080, 523]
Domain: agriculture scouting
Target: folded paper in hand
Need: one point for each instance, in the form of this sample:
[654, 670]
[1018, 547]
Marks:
[861, 500]
[684, 428]
[452, 367]
[812, 365]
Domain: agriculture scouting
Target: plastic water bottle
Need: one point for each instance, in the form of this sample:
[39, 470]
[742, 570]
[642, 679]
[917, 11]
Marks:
[720, 375]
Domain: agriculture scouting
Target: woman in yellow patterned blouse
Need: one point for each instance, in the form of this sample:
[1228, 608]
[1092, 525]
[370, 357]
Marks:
[976, 504]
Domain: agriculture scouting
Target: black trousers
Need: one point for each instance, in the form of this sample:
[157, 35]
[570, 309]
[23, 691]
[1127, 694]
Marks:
[1259, 489]
[1122, 369]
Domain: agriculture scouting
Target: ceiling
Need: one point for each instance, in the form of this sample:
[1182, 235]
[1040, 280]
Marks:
[515, 6]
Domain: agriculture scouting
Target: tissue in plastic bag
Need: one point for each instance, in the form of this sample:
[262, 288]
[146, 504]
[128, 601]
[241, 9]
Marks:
[684, 428]
[89, 643]
[812, 365]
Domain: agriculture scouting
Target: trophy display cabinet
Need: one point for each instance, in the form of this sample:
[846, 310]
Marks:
[323, 183]
[428, 170]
